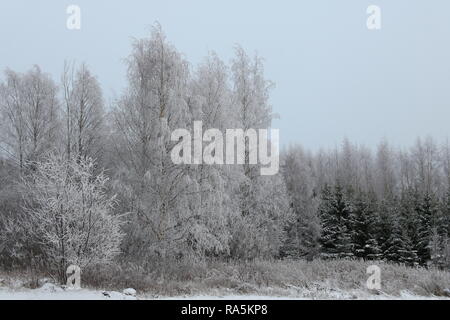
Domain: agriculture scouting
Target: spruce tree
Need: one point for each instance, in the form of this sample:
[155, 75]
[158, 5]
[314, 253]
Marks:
[372, 249]
[409, 204]
[408, 255]
[427, 214]
[444, 219]
[394, 245]
[329, 223]
[364, 225]
[384, 228]
[334, 212]
[437, 249]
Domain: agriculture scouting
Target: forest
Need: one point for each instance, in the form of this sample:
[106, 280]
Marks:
[89, 183]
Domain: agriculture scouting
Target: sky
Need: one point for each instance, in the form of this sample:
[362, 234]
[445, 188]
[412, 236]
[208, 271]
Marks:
[334, 77]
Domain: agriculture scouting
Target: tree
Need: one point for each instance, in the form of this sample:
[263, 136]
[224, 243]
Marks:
[29, 115]
[427, 214]
[258, 227]
[160, 194]
[385, 181]
[304, 232]
[83, 111]
[438, 249]
[425, 159]
[334, 212]
[408, 205]
[69, 213]
[399, 248]
[364, 224]
[209, 102]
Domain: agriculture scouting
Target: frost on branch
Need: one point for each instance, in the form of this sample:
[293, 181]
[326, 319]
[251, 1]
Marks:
[69, 213]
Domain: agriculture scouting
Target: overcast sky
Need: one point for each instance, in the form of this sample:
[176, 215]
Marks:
[334, 77]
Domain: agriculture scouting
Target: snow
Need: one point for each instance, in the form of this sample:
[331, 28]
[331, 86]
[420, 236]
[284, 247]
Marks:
[229, 297]
[85, 294]
[57, 293]
[129, 292]
[51, 291]
[332, 295]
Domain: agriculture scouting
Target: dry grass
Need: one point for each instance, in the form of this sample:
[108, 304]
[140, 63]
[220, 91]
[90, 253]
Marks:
[316, 278]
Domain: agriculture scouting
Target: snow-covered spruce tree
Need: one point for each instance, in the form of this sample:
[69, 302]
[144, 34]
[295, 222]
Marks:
[437, 247]
[384, 230]
[439, 236]
[334, 212]
[444, 216]
[399, 248]
[329, 223]
[427, 214]
[395, 237]
[442, 233]
[69, 213]
[394, 244]
[364, 224]
[442, 239]
[408, 214]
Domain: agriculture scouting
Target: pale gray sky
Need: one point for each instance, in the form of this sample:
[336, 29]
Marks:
[333, 76]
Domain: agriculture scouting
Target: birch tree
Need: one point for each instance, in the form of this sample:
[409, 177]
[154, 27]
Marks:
[30, 115]
[259, 225]
[304, 231]
[68, 213]
[161, 193]
[84, 112]
[209, 102]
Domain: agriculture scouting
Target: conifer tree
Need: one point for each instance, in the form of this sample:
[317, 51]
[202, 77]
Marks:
[387, 209]
[335, 211]
[395, 245]
[427, 214]
[408, 210]
[364, 226]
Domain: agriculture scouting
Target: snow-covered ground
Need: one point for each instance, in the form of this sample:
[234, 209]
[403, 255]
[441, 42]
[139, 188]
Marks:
[51, 292]
[405, 295]
[44, 294]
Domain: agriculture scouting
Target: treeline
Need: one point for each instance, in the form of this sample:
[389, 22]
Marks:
[55, 201]
[86, 184]
[353, 203]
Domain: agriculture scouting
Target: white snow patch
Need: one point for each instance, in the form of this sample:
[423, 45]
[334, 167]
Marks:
[129, 292]
[57, 293]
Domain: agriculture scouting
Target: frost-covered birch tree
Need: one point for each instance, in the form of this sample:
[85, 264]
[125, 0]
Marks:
[209, 102]
[304, 231]
[69, 214]
[160, 192]
[84, 112]
[259, 225]
[30, 115]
